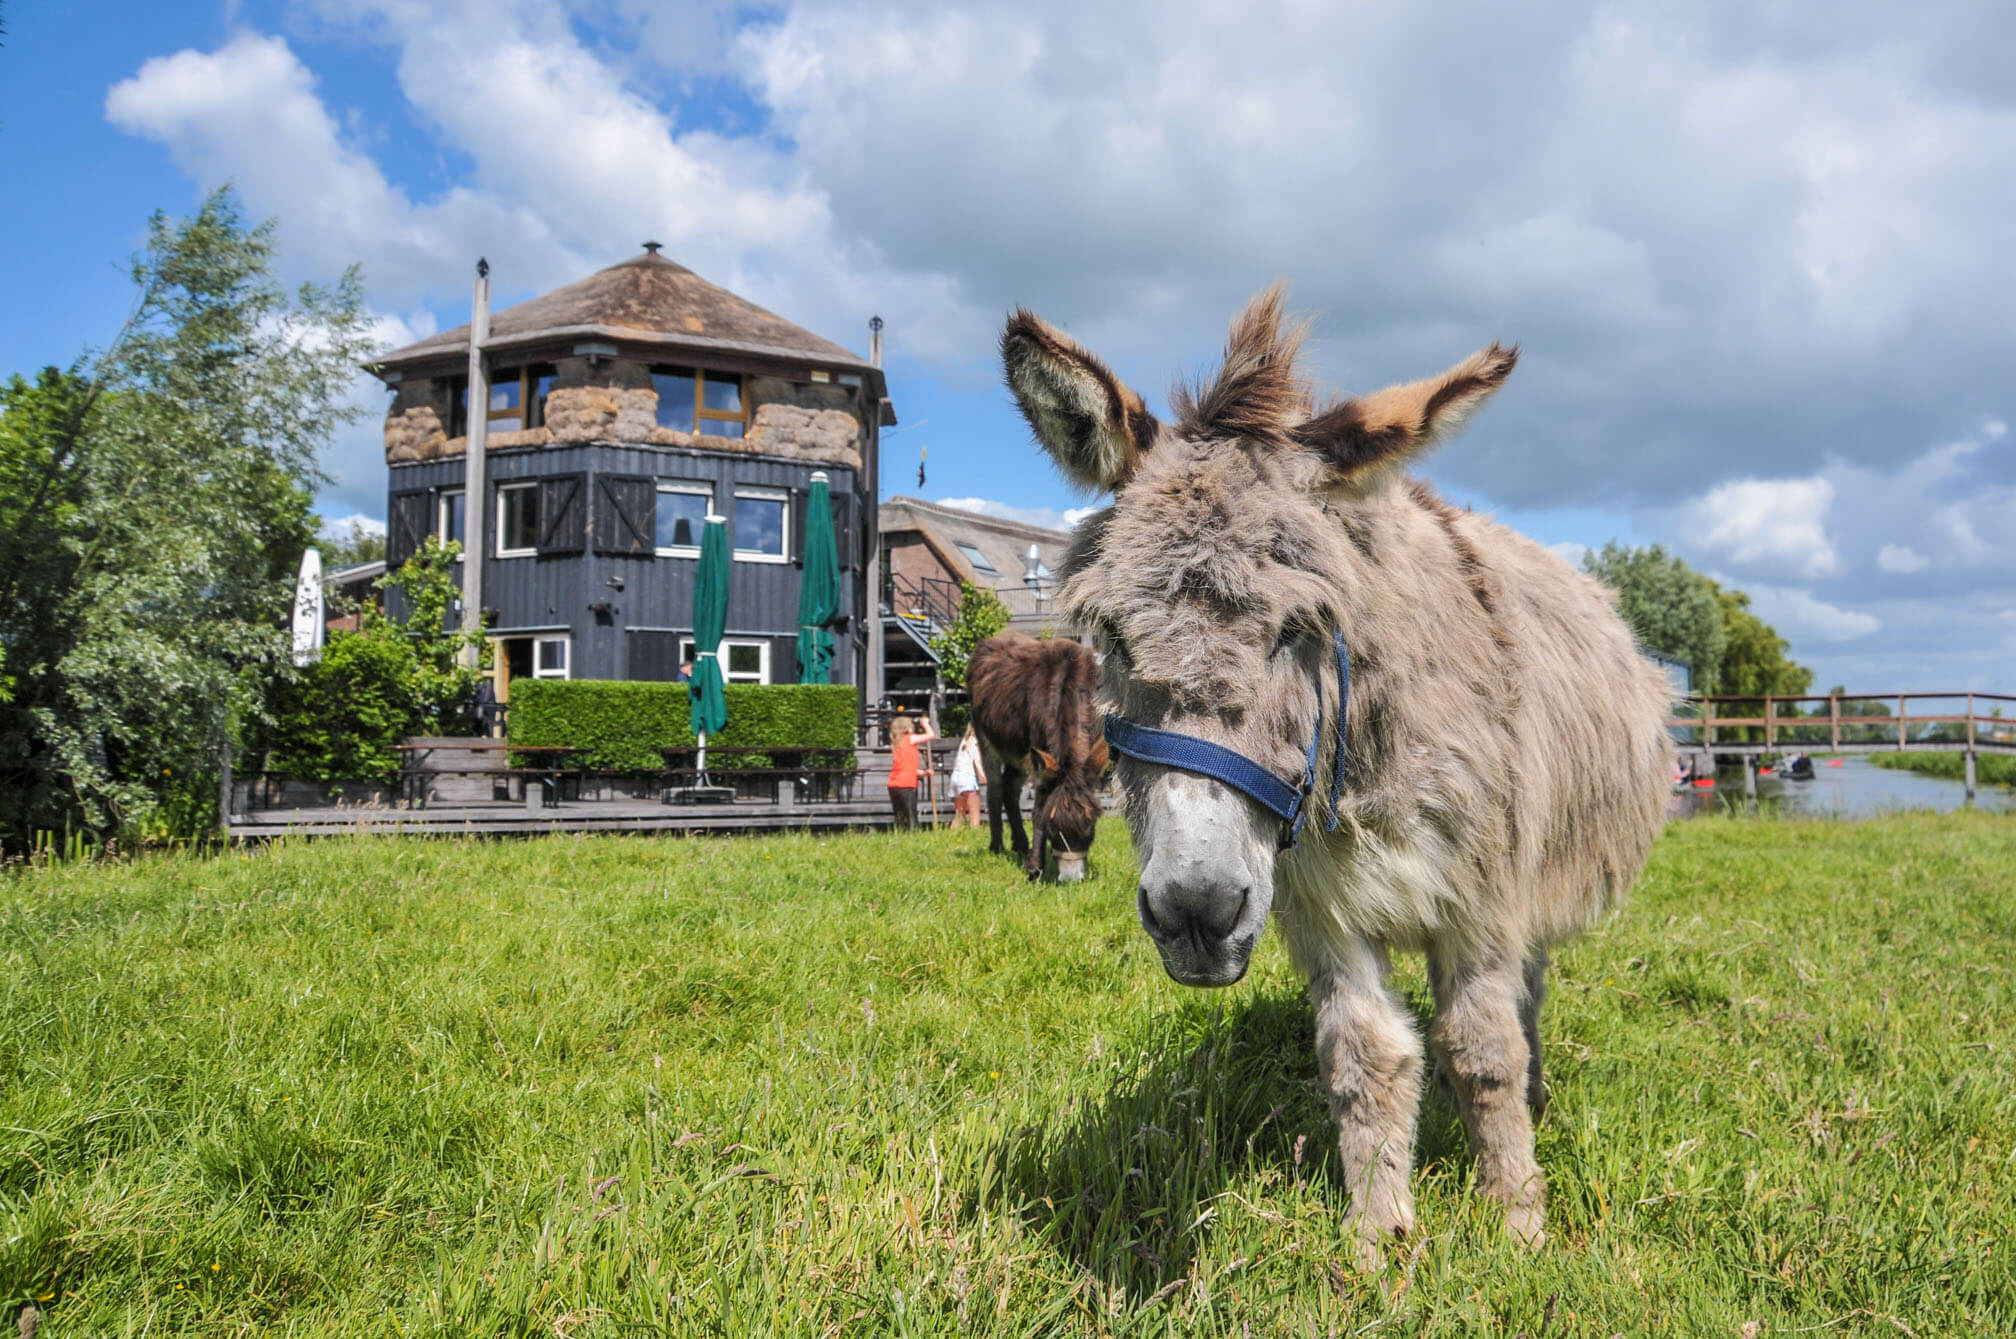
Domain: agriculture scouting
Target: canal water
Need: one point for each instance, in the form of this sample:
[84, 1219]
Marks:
[1855, 789]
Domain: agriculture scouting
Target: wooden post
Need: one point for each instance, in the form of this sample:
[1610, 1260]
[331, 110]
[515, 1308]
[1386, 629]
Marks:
[1902, 729]
[1749, 776]
[1770, 718]
[1834, 720]
[224, 787]
[475, 505]
[1970, 746]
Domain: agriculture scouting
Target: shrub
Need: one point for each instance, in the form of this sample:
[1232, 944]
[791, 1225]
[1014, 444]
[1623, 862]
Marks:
[624, 727]
[338, 718]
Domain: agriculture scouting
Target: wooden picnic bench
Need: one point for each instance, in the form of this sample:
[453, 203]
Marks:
[542, 781]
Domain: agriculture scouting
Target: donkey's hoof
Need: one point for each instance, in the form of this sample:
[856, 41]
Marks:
[1367, 1240]
[1528, 1225]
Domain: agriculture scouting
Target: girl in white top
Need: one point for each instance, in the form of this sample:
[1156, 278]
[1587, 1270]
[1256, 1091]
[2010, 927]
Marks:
[969, 775]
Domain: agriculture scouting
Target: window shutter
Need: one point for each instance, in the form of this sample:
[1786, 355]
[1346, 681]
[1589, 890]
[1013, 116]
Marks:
[405, 527]
[563, 521]
[625, 514]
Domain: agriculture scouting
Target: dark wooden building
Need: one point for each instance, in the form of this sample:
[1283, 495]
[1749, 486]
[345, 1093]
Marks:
[621, 410]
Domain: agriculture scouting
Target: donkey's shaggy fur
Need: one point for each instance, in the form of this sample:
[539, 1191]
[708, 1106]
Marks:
[1033, 709]
[1507, 762]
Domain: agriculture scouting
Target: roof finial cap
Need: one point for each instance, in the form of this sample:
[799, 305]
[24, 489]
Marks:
[652, 247]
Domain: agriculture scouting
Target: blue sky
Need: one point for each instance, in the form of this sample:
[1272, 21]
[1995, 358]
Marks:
[1755, 260]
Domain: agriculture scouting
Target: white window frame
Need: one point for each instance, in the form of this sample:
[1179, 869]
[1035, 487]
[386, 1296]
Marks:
[566, 670]
[977, 559]
[762, 650]
[441, 516]
[689, 488]
[502, 490]
[743, 555]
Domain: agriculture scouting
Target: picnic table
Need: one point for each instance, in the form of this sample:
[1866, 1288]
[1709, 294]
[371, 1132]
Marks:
[541, 779]
[787, 764]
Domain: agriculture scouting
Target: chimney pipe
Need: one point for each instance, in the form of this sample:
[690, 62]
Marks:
[875, 340]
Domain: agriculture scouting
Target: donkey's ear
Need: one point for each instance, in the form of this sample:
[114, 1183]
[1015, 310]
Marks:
[1385, 427]
[1099, 756]
[1045, 763]
[1090, 422]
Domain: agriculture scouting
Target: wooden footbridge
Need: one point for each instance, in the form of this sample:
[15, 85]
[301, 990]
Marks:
[1749, 728]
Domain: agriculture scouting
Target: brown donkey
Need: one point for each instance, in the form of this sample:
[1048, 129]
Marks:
[1033, 706]
[1499, 773]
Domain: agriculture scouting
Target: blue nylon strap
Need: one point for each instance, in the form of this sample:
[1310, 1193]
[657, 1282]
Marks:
[1187, 753]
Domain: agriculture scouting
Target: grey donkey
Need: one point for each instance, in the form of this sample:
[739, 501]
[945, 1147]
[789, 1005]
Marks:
[1506, 760]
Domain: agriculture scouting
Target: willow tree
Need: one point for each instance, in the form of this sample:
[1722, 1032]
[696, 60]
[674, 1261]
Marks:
[154, 501]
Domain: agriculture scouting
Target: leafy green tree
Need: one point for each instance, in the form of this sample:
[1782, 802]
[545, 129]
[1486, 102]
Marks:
[1754, 659]
[1669, 606]
[981, 615]
[349, 546]
[154, 502]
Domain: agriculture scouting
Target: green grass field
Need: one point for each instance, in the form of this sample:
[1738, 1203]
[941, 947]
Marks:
[880, 1085]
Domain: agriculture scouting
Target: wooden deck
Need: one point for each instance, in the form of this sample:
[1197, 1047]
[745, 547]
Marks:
[515, 820]
[868, 808]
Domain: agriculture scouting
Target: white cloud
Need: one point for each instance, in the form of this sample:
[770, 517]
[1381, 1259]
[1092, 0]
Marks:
[357, 523]
[1768, 525]
[1050, 518]
[1800, 616]
[1572, 551]
[1901, 558]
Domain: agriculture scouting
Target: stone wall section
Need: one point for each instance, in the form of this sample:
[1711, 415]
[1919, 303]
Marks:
[614, 402]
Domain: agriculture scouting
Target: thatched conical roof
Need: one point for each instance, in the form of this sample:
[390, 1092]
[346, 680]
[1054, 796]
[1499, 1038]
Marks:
[646, 299]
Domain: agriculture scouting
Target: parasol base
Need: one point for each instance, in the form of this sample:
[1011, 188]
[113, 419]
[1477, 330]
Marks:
[700, 795]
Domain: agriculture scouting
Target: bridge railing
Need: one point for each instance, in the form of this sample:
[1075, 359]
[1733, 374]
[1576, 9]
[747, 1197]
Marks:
[1841, 722]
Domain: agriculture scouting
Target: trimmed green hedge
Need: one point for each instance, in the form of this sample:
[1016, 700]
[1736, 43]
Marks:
[623, 726]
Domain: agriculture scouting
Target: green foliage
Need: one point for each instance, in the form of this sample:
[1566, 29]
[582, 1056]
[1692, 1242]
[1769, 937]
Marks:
[981, 615]
[348, 546]
[154, 502]
[340, 717]
[1754, 660]
[873, 1084]
[625, 726]
[1669, 606]
[1990, 769]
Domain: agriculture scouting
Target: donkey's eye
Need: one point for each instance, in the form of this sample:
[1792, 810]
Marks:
[1112, 646]
[1292, 633]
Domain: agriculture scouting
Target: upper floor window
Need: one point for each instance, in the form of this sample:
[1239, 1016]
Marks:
[448, 519]
[682, 515]
[517, 520]
[761, 521]
[694, 399]
[517, 399]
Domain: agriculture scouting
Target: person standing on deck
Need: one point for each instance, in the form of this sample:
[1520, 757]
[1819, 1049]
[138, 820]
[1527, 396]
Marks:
[969, 775]
[905, 735]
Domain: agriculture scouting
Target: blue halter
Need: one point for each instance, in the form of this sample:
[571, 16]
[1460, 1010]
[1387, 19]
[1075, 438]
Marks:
[1187, 753]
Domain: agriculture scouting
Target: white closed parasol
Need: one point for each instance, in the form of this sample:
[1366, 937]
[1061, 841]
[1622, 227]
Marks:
[308, 611]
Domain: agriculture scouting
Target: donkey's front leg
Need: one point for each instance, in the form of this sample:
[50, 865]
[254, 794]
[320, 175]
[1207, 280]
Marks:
[1480, 1034]
[1370, 1059]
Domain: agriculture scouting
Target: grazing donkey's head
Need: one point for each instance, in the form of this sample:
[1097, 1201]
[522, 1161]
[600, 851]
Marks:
[1215, 582]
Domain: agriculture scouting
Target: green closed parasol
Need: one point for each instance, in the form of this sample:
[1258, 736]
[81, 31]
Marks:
[818, 588]
[710, 619]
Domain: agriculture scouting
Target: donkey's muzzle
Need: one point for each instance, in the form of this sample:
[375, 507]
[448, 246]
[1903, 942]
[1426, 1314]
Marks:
[1203, 923]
